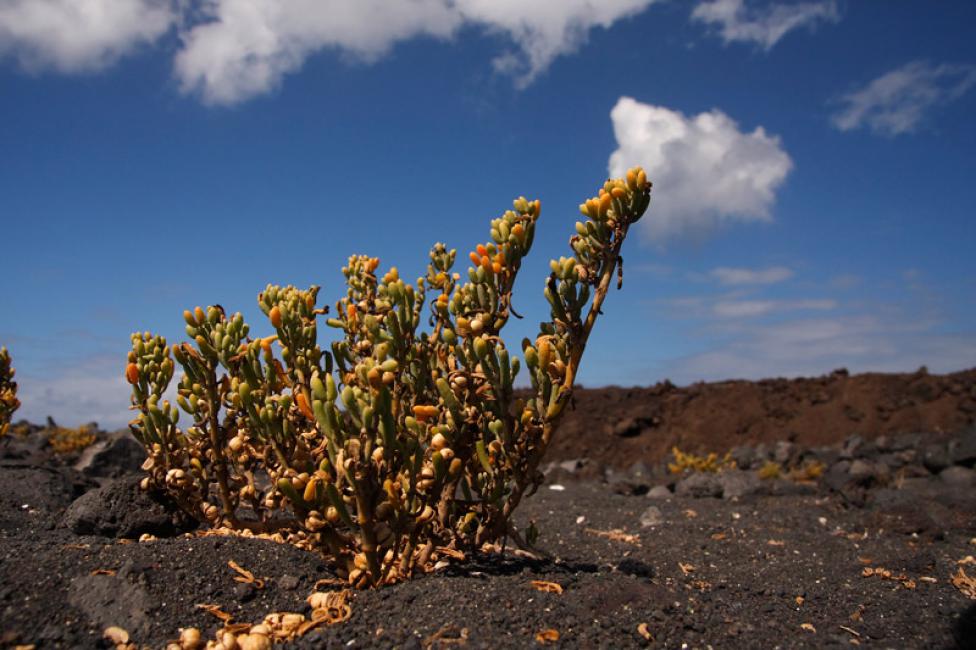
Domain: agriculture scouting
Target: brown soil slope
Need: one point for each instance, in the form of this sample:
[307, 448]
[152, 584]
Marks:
[618, 426]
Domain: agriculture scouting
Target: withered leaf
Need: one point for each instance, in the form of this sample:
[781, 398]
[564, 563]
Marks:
[550, 587]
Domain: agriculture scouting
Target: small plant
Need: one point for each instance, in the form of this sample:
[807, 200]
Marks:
[68, 441]
[770, 470]
[810, 470]
[691, 463]
[396, 446]
[8, 392]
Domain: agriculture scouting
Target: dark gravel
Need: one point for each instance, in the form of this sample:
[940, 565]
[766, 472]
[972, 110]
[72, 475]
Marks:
[644, 558]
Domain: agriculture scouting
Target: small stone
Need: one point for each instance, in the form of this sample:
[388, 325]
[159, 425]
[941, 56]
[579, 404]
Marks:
[737, 483]
[852, 447]
[861, 471]
[760, 454]
[629, 427]
[640, 471]
[652, 516]
[572, 466]
[958, 476]
[784, 453]
[244, 591]
[699, 485]
[659, 492]
[837, 476]
[935, 457]
[743, 456]
[624, 483]
[963, 451]
[288, 582]
[904, 441]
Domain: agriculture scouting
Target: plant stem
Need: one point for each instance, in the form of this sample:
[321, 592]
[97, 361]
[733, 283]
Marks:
[217, 444]
[523, 480]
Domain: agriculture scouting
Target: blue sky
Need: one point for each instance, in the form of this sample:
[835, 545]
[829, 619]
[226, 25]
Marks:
[812, 162]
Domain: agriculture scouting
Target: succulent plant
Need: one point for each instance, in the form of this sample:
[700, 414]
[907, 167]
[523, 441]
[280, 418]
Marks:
[396, 445]
[687, 462]
[8, 392]
[68, 441]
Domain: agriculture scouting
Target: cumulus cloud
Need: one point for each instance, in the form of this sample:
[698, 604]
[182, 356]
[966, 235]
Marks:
[75, 36]
[734, 21]
[243, 48]
[896, 102]
[705, 170]
[233, 50]
[735, 276]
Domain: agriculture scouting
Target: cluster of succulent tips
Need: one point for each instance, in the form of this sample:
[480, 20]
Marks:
[8, 392]
[395, 447]
[687, 462]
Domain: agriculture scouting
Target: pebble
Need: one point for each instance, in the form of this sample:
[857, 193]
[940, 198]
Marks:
[652, 516]
[659, 492]
[958, 476]
[701, 484]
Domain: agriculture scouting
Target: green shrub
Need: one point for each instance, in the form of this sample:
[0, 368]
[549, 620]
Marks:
[687, 462]
[8, 392]
[395, 446]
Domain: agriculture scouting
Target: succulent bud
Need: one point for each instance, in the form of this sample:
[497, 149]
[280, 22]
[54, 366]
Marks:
[132, 373]
[190, 638]
[314, 522]
[116, 635]
[426, 515]
[254, 641]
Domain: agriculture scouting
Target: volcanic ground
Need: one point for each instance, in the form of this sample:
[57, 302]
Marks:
[843, 514]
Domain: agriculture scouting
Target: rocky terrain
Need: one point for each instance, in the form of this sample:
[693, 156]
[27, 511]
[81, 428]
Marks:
[842, 513]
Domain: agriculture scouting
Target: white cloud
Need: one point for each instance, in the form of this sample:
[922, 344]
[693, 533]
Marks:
[811, 347]
[754, 308]
[244, 48]
[233, 50]
[544, 29]
[94, 390]
[705, 170]
[75, 36]
[734, 276]
[737, 22]
[896, 102]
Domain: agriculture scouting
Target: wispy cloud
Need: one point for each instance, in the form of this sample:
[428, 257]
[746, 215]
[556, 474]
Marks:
[809, 347]
[897, 101]
[705, 169]
[735, 21]
[91, 390]
[740, 276]
[74, 36]
[746, 334]
[755, 308]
